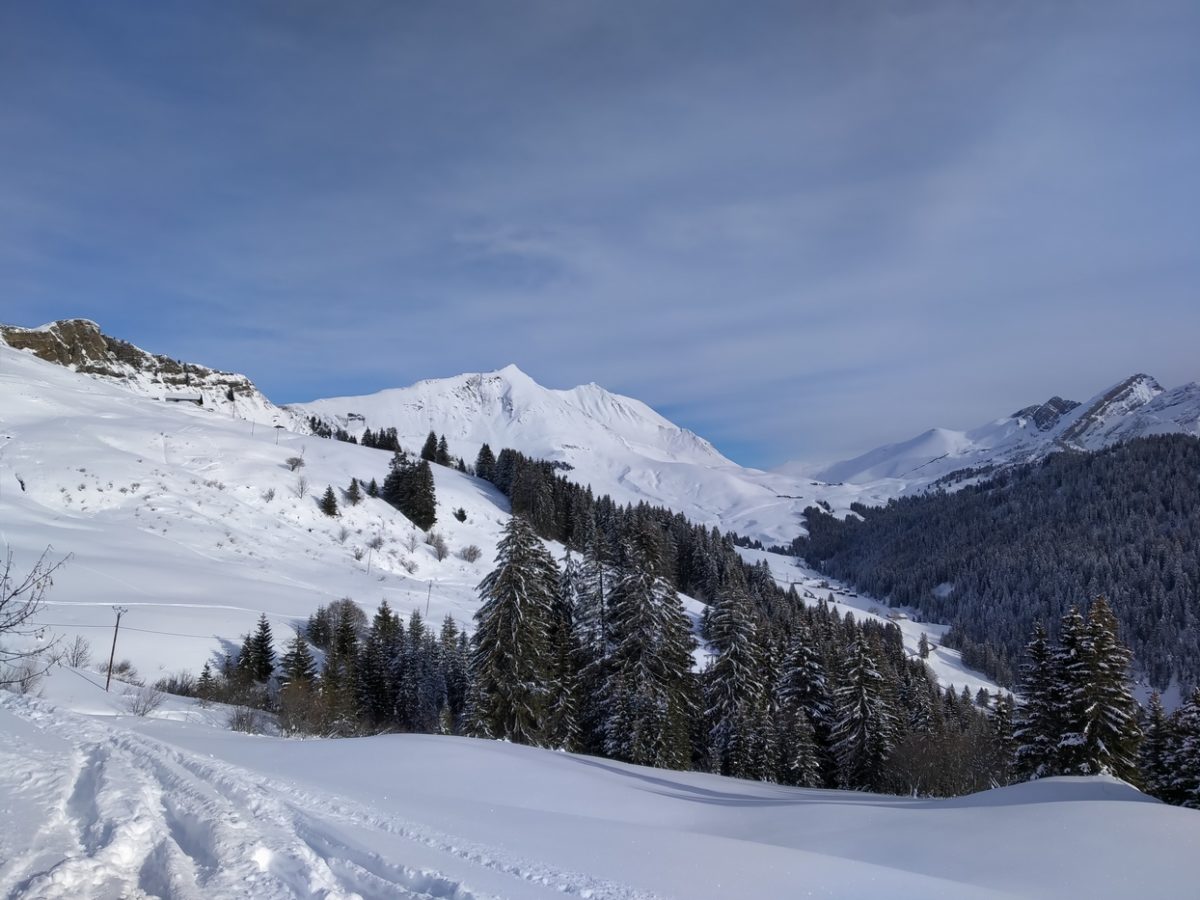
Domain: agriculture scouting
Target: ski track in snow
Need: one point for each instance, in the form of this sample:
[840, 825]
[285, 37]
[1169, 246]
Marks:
[130, 816]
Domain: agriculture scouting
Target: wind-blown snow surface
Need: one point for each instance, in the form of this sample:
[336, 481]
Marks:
[96, 804]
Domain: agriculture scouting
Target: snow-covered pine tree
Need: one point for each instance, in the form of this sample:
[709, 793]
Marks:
[649, 699]
[1185, 760]
[261, 665]
[1155, 762]
[562, 722]
[354, 493]
[1038, 721]
[442, 454]
[1110, 726]
[733, 685]
[297, 664]
[864, 730]
[510, 665]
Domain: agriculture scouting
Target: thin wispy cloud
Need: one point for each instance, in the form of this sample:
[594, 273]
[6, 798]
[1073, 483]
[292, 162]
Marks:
[801, 230]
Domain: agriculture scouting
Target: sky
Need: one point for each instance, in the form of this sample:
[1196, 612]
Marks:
[800, 229]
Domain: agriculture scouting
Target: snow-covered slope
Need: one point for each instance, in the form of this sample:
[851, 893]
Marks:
[616, 444]
[1135, 407]
[104, 805]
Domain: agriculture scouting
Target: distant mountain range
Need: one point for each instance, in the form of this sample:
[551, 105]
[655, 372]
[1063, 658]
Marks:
[622, 447]
[1135, 407]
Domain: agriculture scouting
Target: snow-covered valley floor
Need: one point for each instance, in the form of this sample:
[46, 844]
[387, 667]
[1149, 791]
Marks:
[95, 803]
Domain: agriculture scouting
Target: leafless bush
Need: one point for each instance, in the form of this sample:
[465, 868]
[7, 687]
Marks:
[359, 553]
[245, 719]
[408, 565]
[342, 534]
[143, 700]
[376, 543]
[470, 553]
[22, 677]
[79, 653]
[301, 486]
[294, 462]
[438, 543]
[124, 671]
[21, 598]
[411, 541]
[181, 684]
[268, 495]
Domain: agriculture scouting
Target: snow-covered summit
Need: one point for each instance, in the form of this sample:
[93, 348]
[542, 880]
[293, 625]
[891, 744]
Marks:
[1134, 407]
[507, 408]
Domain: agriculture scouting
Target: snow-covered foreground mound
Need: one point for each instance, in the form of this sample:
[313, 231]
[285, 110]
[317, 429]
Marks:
[95, 805]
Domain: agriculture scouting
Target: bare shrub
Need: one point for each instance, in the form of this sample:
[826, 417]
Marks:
[181, 684]
[438, 543]
[268, 495]
[300, 487]
[470, 553]
[411, 541]
[79, 653]
[342, 534]
[294, 462]
[124, 671]
[376, 542]
[143, 700]
[359, 553]
[245, 719]
[21, 598]
[22, 677]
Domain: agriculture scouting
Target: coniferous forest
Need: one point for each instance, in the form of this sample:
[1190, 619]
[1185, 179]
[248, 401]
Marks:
[1029, 543]
[594, 653]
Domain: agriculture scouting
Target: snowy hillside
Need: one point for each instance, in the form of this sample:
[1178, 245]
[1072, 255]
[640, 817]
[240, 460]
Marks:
[1135, 407]
[100, 804]
[618, 445]
[193, 521]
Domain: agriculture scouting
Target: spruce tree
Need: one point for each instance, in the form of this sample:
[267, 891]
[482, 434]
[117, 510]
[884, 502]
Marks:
[511, 663]
[485, 464]
[650, 698]
[1185, 758]
[864, 730]
[1039, 720]
[429, 450]
[442, 453]
[354, 493]
[297, 663]
[734, 690]
[1155, 755]
[261, 664]
[373, 488]
[1110, 731]
[328, 503]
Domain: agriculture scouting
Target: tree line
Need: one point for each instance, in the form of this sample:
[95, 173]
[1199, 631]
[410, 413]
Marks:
[991, 558]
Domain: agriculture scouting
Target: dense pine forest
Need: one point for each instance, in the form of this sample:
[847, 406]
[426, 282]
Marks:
[1031, 542]
[594, 653]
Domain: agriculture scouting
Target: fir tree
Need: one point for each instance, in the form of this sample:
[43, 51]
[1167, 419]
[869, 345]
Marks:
[510, 665]
[485, 464]
[1039, 721]
[1185, 757]
[354, 493]
[864, 731]
[297, 663]
[1110, 729]
[373, 488]
[429, 450]
[328, 503]
[649, 695]
[1154, 758]
[734, 690]
[442, 453]
[260, 664]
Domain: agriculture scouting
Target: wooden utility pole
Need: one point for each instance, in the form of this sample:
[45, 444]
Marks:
[120, 611]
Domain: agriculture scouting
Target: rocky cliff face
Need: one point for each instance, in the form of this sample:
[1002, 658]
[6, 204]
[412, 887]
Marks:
[80, 345]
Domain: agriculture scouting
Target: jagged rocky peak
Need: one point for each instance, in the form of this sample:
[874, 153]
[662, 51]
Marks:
[1107, 410]
[1046, 415]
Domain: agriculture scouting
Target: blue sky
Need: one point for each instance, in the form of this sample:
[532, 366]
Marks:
[800, 229]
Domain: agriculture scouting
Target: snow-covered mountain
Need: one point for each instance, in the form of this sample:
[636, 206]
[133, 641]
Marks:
[1135, 407]
[618, 445]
